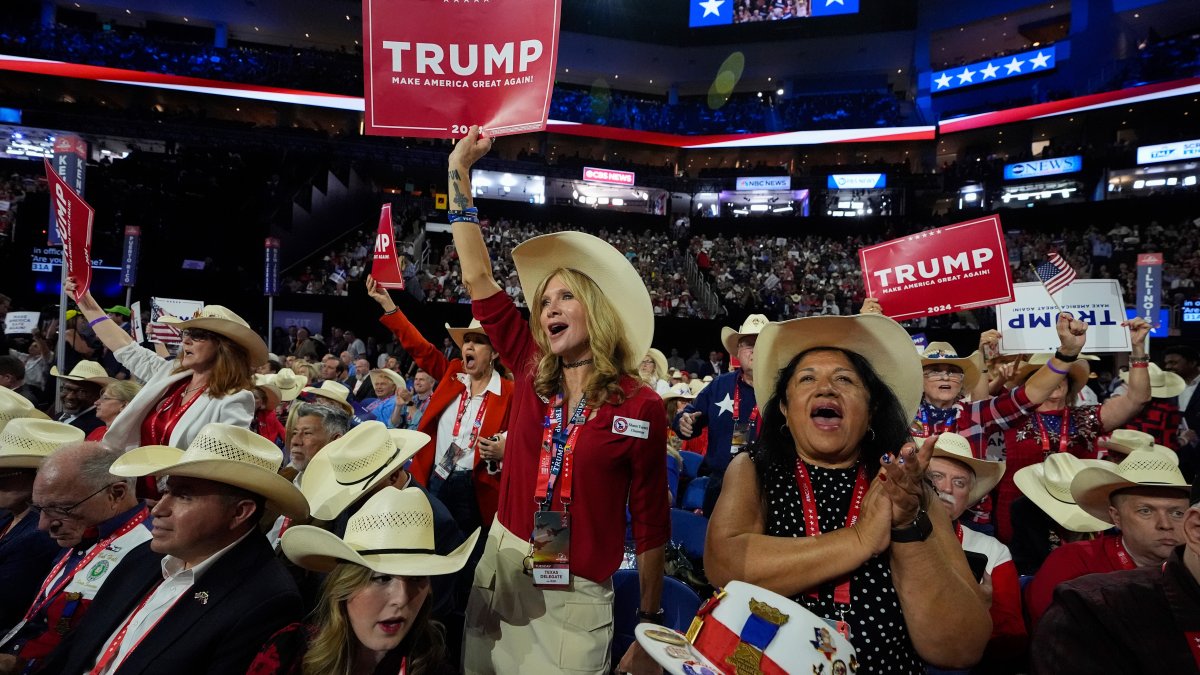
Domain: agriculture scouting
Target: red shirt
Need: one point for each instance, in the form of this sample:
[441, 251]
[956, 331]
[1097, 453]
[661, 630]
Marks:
[609, 468]
[1071, 561]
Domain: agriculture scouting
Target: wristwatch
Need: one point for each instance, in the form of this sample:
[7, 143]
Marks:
[652, 617]
[918, 530]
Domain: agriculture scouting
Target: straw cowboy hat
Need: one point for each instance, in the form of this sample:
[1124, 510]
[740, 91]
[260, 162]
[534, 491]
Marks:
[1048, 485]
[783, 635]
[1125, 441]
[224, 322]
[348, 468]
[457, 334]
[1092, 488]
[224, 454]
[24, 443]
[696, 386]
[987, 473]
[85, 371]
[266, 383]
[288, 383]
[678, 391]
[1077, 372]
[938, 353]
[392, 375]
[14, 406]
[537, 258]
[660, 363]
[391, 534]
[1163, 383]
[753, 325]
[877, 338]
[333, 391]
[676, 374]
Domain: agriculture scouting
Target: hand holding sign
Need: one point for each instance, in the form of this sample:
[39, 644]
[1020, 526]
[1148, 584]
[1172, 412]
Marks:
[73, 222]
[379, 294]
[871, 306]
[469, 149]
[1072, 334]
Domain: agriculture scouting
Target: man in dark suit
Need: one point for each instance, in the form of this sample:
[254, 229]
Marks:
[1184, 361]
[359, 383]
[206, 593]
[80, 390]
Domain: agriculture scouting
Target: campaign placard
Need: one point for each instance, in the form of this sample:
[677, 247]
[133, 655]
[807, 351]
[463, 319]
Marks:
[129, 255]
[385, 263]
[948, 269]
[160, 307]
[1028, 324]
[21, 323]
[1149, 287]
[73, 222]
[433, 68]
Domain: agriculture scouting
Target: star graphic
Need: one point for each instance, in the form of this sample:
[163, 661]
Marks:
[1014, 66]
[1039, 61]
[965, 76]
[943, 81]
[990, 71]
[840, 2]
[712, 7]
[726, 406]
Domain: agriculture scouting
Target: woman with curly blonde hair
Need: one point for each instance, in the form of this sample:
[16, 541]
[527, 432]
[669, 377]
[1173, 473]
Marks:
[586, 439]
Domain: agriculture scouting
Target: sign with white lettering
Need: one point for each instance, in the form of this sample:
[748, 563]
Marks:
[20, 323]
[385, 264]
[608, 176]
[1027, 325]
[73, 221]
[1167, 152]
[1149, 287]
[856, 181]
[1043, 167]
[765, 183]
[434, 68]
[948, 269]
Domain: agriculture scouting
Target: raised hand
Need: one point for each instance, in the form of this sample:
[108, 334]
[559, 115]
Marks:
[469, 149]
[1138, 330]
[379, 294]
[904, 474]
[871, 306]
[1072, 334]
[874, 526]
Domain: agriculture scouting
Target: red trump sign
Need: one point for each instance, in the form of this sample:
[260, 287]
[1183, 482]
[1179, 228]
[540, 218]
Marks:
[385, 264]
[435, 67]
[73, 222]
[952, 268]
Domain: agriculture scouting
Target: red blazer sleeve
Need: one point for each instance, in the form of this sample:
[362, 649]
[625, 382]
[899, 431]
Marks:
[1061, 565]
[1008, 623]
[508, 331]
[649, 500]
[428, 358]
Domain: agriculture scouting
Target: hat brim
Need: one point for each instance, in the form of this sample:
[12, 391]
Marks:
[240, 335]
[396, 378]
[1031, 482]
[459, 334]
[538, 257]
[1077, 375]
[987, 474]
[658, 650]
[1172, 386]
[317, 391]
[102, 381]
[21, 461]
[970, 370]
[327, 498]
[661, 369]
[878, 339]
[273, 393]
[163, 460]
[319, 550]
[1093, 487]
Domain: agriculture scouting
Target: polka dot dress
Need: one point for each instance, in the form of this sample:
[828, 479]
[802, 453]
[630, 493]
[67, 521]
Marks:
[877, 628]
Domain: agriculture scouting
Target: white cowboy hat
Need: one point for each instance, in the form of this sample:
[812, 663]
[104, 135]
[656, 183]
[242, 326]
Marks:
[24, 443]
[85, 371]
[780, 631]
[536, 258]
[392, 375]
[391, 534]
[457, 334]
[676, 373]
[1125, 441]
[938, 353]
[680, 390]
[987, 473]
[660, 362]
[288, 383]
[222, 321]
[333, 391]
[877, 338]
[753, 325]
[348, 468]
[267, 384]
[1077, 372]
[224, 454]
[1048, 485]
[1163, 383]
[696, 386]
[14, 406]
[1092, 488]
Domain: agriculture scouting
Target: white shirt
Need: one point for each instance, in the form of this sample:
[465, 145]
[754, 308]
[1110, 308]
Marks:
[176, 583]
[1185, 397]
[445, 429]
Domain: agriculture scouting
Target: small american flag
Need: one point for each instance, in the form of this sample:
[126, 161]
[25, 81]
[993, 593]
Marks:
[164, 333]
[1056, 273]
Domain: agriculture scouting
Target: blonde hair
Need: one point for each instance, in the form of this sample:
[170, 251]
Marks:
[306, 370]
[231, 371]
[123, 390]
[613, 357]
[331, 650]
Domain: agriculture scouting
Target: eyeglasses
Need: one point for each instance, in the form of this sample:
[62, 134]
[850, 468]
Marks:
[64, 512]
[197, 334]
[952, 375]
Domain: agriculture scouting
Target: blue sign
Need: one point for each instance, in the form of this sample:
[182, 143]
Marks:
[129, 256]
[857, 181]
[1149, 286]
[1161, 328]
[271, 268]
[919, 341]
[710, 13]
[1191, 311]
[834, 7]
[1043, 167]
[702, 13]
[981, 72]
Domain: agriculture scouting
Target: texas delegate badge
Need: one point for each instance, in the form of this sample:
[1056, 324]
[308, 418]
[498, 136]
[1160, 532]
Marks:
[551, 548]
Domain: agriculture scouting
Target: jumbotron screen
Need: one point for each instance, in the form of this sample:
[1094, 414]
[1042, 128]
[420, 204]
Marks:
[704, 13]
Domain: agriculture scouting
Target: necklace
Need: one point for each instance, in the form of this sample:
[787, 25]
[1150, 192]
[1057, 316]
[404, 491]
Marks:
[578, 364]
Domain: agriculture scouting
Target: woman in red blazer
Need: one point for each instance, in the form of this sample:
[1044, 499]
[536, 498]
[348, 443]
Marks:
[461, 463]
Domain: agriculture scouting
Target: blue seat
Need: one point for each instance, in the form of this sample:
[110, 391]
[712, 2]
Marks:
[693, 497]
[679, 603]
[691, 462]
[688, 531]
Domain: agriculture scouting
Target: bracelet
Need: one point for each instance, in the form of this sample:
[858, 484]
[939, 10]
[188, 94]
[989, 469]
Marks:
[1140, 364]
[1064, 358]
[93, 322]
[918, 530]
[1140, 359]
[1056, 370]
[469, 214]
[652, 617]
[391, 311]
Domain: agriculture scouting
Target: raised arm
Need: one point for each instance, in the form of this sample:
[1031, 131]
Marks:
[1072, 333]
[468, 238]
[109, 333]
[424, 353]
[1118, 410]
[988, 340]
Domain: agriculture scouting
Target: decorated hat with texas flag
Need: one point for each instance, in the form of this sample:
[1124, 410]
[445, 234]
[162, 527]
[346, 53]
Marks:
[747, 629]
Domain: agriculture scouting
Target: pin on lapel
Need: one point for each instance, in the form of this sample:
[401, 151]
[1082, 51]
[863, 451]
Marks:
[202, 596]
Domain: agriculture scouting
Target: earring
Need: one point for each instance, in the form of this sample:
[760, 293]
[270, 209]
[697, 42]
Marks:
[783, 428]
[872, 430]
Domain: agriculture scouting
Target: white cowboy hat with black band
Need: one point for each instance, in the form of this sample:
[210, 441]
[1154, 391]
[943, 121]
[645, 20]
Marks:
[24, 443]
[224, 454]
[537, 258]
[14, 406]
[987, 473]
[938, 353]
[223, 322]
[753, 325]
[877, 338]
[1077, 372]
[391, 534]
[85, 371]
[336, 392]
[1163, 383]
[459, 334]
[1048, 485]
[348, 468]
[1093, 488]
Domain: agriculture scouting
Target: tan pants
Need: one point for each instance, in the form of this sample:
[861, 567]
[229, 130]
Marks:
[513, 627]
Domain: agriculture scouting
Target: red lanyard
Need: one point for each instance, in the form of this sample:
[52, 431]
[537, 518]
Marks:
[162, 422]
[556, 458]
[462, 408]
[115, 646]
[812, 525]
[737, 406]
[1118, 554]
[958, 531]
[1063, 435]
[47, 597]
